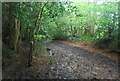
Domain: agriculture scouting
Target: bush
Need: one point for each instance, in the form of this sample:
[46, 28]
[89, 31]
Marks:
[60, 35]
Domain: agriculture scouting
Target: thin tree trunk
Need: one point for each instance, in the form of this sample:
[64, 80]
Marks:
[31, 36]
[16, 34]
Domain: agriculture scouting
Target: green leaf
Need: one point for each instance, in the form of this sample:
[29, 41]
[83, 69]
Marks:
[39, 37]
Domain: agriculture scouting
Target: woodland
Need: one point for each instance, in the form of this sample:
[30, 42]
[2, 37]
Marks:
[29, 27]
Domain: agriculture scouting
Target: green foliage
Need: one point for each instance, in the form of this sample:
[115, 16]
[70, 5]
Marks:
[87, 37]
[83, 21]
[39, 37]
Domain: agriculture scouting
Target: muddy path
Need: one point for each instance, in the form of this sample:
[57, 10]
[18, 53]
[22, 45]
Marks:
[69, 62]
[75, 63]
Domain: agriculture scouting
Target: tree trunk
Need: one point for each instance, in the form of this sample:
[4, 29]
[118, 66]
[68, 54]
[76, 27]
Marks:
[31, 47]
[30, 54]
[16, 34]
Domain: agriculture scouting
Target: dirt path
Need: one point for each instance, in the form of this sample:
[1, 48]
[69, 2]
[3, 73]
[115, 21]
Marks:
[75, 63]
[90, 47]
[70, 62]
